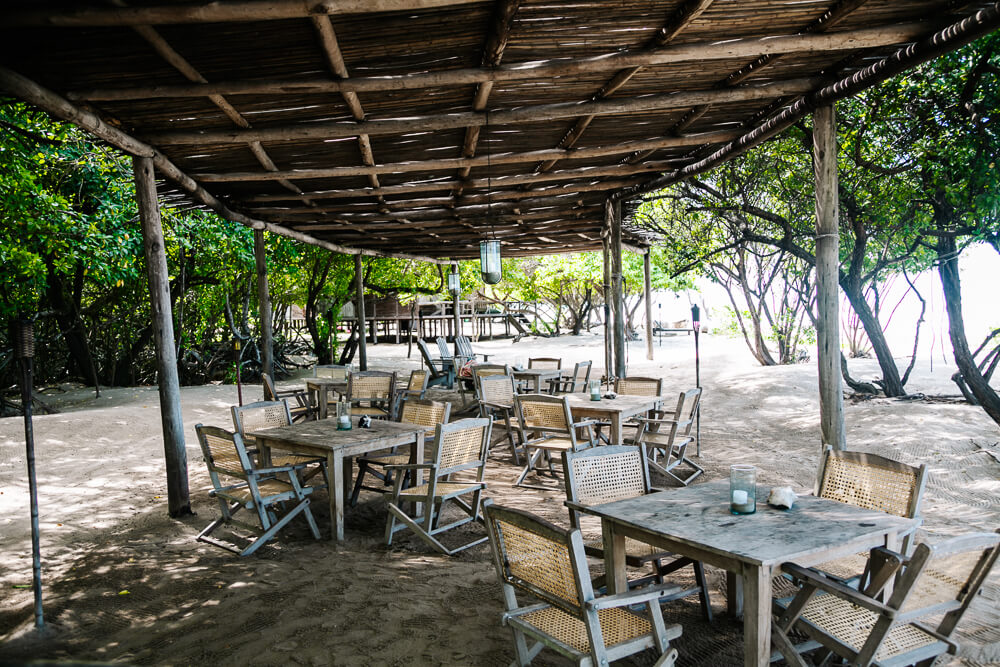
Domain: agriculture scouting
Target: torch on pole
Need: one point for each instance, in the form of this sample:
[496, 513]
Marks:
[25, 347]
[696, 326]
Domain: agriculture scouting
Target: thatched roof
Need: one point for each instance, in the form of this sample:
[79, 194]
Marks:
[395, 125]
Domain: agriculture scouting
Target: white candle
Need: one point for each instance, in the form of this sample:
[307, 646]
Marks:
[739, 497]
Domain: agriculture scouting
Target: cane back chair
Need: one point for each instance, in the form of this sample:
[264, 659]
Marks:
[269, 414]
[238, 484]
[909, 628]
[371, 393]
[479, 371]
[547, 429]
[300, 411]
[633, 386]
[666, 437]
[604, 474]
[460, 449]
[414, 411]
[575, 383]
[548, 563]
[416, 387]
[496, 402]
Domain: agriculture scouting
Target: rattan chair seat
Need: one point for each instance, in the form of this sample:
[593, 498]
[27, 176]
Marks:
[268, 487]
[554, 444]
[846, 567]
[852, 625]
[442, 489]
[389, 459]
[617, 625]
[358, 411]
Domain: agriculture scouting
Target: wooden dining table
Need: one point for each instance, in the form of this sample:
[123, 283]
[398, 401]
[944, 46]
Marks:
[696, 522]
[536, 376]
[319, 392]
[322, 439]
[615, 410]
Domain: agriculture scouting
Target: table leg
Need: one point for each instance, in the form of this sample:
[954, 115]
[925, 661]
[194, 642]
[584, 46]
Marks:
[348, 466]
[335, 463]
[616, 436]
[756, 616]
[614, 559]
[734, 594]
[323, 401]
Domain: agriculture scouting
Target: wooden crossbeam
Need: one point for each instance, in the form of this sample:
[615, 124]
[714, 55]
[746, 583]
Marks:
[867, 38]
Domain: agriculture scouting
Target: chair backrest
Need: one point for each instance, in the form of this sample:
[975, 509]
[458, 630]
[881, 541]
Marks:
[443, 348]
[638, 386]
[497, 389]
[425, 413]
[479, 371]
[545, 363]
[270, 394]
[370, 386]
[581, 375]
[461, 445]
[683, 421]
[225, 454]
[540, 412]
[418, 382]
[428, 359]
[260, 415]
[464, 347]
[539, 558]
[333, 371]
[871, 481]
[604, 474]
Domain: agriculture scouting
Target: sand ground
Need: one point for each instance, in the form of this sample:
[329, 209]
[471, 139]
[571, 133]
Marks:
[125, 583]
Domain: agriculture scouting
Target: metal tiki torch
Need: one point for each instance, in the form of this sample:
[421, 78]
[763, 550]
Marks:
[25, 349]
[696, 325]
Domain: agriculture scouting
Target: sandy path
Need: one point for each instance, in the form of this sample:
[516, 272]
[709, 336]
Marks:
[105, 529]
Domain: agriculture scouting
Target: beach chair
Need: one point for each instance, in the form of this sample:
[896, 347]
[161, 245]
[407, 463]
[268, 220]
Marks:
[665, 439]
[574, 384]
[269, 414]
[300, 411]
[461, 449]
[908, 628]
[464, 348]
[371, 393]
[547, 429]
[238, 484]
[496, 402]
[414, 411]
[549, 564]
[440, 374]
[605, 474]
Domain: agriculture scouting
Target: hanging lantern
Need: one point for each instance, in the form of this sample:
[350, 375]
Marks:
[489, 259]
[454, 283]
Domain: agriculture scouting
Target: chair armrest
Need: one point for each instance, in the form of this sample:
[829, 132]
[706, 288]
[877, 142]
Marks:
[636, 596]
[585, 422]
[497, 406]
[836, 588]
[273, 470]
[411, 466]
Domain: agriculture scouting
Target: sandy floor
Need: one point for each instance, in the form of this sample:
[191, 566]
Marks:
[125, 583]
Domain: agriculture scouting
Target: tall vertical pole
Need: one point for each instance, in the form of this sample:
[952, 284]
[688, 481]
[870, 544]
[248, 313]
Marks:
[24, 342]
[647, 279]
[264, 304]
[455, 307]
[609, 367]
[617, 288]
[359, 282]
[178, 498]
[831, 397]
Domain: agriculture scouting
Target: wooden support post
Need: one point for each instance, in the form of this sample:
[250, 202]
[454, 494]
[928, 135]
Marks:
[606, 287]
[178, 498]
[617, 287]
[647, 277]
[455, 304]
[831, 397]
[264, 305]
[359, 281]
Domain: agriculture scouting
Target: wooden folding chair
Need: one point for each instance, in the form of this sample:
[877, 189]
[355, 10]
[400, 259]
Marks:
[496, 402]
[464, 348]
[665, 439]
[480, 371]
[576, 383]
[269, 414]
[873, 482]
[909, 628]
[414, 411]
[238, 484]
[459, 447]
[416, 387]
[300, 411]
[371, 393]
[547, 429]
[548, 563]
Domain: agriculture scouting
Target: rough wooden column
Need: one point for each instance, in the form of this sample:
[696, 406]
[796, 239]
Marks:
[359, 311]
[178, 499]
[617, 287]
[455, 306]
[264, 304]
[647, 277]
[606, 288]
[831, 397]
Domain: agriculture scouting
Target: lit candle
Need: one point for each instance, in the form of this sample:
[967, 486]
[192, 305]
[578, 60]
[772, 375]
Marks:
[739, 497]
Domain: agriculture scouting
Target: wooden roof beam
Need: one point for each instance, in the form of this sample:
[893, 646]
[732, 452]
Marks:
[229, 11]
[527, 114]
[753, 47]
[50, 102]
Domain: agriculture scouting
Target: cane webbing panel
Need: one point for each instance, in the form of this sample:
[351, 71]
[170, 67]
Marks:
[388, 459]
[461, 447]
[423, 414]
[498, 391]
[488, 371]
[554, 444]
[416, 380]
[846, 567]
[638, 386]
[224, 458]
[259, 418]
[282, 459]
[869, 485]
[371, 411]
[601, 479]
[545, 363]
[267, 487]
[851, 625]
[942, 580]
[333, 373]
[370, 387]
[633, 548]
[617, 625]
[539, 561]
[543, 415]
[442, 489]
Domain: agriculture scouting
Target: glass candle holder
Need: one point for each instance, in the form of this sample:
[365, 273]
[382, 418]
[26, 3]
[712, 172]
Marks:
[742, 489]
[595, 390]
[343, 416]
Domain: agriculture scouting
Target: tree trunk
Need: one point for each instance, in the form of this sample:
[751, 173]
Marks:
[891, 384]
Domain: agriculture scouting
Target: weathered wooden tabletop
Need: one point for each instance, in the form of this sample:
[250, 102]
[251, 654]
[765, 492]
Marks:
[615, 409]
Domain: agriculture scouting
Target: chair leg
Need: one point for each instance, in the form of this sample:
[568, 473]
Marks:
[278, 525]
[702, 581]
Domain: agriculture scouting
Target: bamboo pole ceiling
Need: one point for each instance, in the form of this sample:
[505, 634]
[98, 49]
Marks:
[421, 127]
